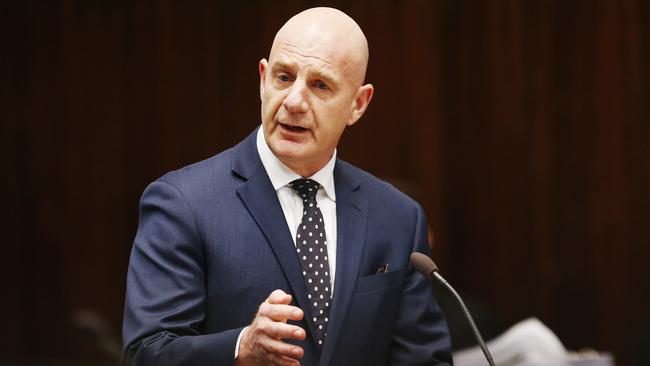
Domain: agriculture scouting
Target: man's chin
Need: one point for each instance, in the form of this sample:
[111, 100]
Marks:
[289, 151]
[300, 159]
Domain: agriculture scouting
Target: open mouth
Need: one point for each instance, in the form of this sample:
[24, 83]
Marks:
[293, 128]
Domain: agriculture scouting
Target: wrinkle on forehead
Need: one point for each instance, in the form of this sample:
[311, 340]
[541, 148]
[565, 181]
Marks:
[296, 52]
[327, 35]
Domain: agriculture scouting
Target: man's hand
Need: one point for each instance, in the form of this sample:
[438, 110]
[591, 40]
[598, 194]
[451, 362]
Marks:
[261, 343]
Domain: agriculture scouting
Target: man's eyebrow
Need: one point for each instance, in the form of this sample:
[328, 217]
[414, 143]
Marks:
[289, 66]
[282, 65]
[325, 76]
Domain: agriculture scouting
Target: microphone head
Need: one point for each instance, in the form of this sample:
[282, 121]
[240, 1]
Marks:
[423, 264]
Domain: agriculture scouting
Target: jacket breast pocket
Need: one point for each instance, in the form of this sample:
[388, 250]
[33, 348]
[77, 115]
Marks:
[380, 281]
[371, 318]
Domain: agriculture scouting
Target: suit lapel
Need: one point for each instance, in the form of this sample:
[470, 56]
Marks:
[262, 203]
[351, 227]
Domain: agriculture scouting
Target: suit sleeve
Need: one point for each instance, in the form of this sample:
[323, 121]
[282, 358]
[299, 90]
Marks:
[420, 336]
[165, 294]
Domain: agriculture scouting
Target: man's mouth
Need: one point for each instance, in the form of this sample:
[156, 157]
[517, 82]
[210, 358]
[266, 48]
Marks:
[293, 128]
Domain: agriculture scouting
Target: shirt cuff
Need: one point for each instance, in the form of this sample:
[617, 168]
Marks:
[239, 340]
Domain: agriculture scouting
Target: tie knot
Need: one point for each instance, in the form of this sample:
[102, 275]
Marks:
[306, 188]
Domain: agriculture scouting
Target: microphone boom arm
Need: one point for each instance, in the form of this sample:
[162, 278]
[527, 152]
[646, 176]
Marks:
[468, 316]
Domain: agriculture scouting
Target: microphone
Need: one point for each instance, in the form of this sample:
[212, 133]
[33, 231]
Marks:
[425, 265]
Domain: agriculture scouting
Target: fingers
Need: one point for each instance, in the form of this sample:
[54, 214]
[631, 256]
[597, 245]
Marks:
[279, 330]
[277, 307]
[284, 361]
[283, 350]
[280, 312]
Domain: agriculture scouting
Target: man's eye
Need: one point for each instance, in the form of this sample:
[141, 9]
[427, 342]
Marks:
[321, 85]
[284, 78]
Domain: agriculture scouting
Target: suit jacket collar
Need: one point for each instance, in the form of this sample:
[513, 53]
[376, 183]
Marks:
[261, 200]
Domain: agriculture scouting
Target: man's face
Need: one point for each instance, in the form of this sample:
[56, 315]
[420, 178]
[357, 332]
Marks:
[308, 98]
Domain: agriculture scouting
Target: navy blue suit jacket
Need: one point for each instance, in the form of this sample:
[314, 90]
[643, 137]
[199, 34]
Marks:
[213, 243]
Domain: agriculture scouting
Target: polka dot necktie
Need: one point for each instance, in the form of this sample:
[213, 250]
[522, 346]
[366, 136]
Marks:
[311, 246]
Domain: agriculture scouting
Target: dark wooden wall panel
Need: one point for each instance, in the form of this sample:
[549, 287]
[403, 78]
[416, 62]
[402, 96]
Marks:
[521, 126]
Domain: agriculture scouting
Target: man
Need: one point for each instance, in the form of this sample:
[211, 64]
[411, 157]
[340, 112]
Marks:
[326, 257]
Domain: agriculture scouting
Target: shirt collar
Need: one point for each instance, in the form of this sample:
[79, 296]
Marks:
[281, 175]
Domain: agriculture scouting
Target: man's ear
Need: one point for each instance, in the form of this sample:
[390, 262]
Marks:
[360, 103]
[262, 68]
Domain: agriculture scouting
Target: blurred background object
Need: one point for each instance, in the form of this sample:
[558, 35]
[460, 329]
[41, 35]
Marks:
[96, 332]
[530, 343]
[527, 343]
[523, 123]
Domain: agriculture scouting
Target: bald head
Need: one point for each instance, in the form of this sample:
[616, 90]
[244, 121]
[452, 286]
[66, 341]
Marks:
[330, 32]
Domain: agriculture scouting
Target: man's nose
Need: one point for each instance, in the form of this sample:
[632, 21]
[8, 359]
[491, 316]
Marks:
[296, 101]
